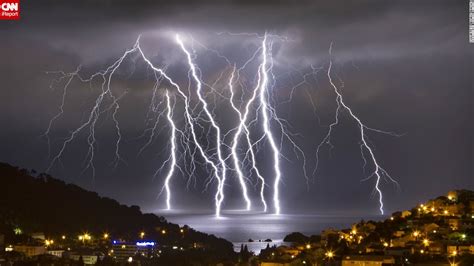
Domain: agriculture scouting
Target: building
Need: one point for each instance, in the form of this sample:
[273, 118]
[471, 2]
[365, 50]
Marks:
[454, 223]
[436, 248]
[38, 235]
[367, 260]
[428, 228]
[452, 195]
[263, 263]
[405, 214]
[399, 233]
[30, 251]
[88, 259]
[398, 251]
[57, 253]
[401, 241]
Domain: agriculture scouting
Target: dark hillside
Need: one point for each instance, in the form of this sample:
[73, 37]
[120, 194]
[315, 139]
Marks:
[40, 203]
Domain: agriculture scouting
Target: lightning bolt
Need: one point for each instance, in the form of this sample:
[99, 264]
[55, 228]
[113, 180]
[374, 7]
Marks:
[169, 115]
[220, 192]
[378, 171]
[265, 110]
[241, 128]
[255, 109]
[235, 142]
[106, 76]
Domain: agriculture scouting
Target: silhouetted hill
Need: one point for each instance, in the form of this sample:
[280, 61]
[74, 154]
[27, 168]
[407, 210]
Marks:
[40, 203]
[458, 204]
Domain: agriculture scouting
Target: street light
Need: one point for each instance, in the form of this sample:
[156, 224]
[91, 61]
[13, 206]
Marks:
[426, 242]
[142, 235]
[330, 254]
[84, 237]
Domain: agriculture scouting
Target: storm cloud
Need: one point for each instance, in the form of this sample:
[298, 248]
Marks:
[406, 66]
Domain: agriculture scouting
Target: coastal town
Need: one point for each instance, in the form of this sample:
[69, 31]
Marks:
[436, 232]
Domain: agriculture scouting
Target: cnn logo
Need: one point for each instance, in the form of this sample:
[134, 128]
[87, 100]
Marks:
[9, 9]
[9, 6]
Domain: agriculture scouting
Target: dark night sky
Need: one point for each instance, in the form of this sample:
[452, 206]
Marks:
[406, 67]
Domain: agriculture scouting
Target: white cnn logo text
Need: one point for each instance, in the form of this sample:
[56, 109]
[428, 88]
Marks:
[9, 6]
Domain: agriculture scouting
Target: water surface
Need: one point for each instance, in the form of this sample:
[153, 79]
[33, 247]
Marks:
[238, 227]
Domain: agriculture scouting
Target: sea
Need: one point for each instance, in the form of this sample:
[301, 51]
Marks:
[252, 229]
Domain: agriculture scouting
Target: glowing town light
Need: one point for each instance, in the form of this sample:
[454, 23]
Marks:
[330, 254]
[426, 242]
[145, 244]
[17, 231]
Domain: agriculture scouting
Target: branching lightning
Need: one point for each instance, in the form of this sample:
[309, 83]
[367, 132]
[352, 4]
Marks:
[264, 68]
[199, 140]
[235, 142]
[378, 171]
[169, 116]
[220, 191]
